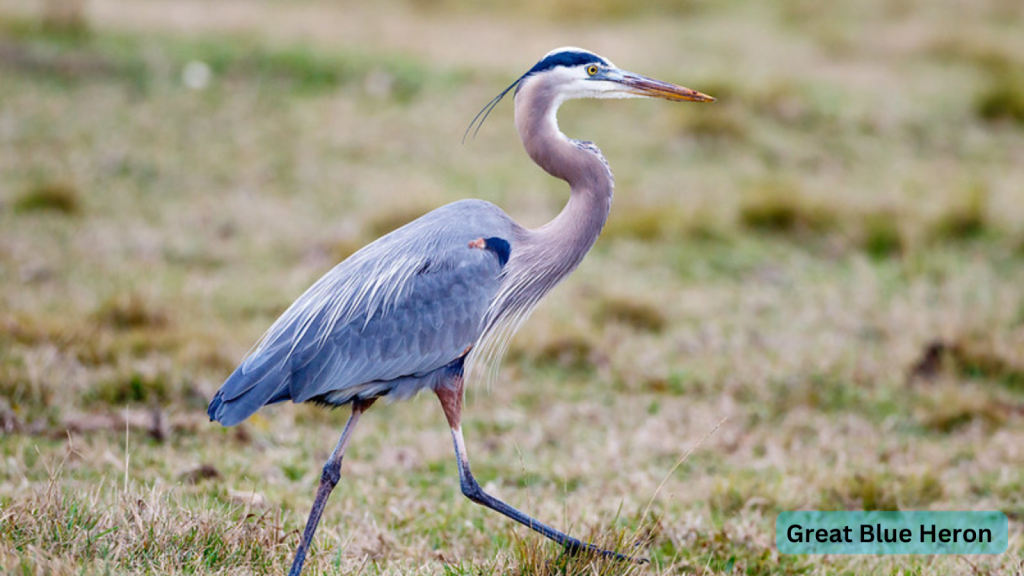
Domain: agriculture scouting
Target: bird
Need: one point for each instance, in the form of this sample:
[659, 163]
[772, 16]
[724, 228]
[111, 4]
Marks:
[419, 307]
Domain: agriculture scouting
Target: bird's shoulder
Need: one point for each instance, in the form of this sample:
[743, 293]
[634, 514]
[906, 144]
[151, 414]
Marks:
[441, 235]
[466, 216]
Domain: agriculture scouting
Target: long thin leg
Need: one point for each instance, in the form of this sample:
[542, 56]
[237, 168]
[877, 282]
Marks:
[328, 480]
[451, 402]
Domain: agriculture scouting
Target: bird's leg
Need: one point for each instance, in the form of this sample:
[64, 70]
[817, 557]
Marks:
[451, 401]
[328, 480]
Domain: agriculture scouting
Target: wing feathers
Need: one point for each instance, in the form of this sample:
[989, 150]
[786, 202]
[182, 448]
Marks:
[403, 306]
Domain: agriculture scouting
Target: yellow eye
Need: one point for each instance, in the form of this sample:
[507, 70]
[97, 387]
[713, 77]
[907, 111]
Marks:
[592, 69]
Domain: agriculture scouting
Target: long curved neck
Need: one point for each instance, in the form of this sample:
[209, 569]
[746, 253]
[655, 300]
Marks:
[563, 242]
[544, 256]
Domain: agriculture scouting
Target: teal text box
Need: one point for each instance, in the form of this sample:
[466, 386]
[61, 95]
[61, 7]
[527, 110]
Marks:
[892, 532]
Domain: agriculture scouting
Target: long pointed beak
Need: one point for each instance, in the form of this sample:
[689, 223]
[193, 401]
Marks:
[651, 88]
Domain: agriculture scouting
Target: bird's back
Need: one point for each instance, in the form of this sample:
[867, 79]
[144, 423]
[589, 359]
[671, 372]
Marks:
[384, 320]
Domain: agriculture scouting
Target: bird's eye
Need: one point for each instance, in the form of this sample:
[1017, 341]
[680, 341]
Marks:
[592, 69]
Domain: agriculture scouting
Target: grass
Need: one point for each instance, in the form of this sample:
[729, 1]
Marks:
[130, 311]
[1003, 97]
[637, 315]
[139, 532]
[57, 197]
[881, 235]
[777, 206]
[966, 220]
[73, 54]
[829, 258]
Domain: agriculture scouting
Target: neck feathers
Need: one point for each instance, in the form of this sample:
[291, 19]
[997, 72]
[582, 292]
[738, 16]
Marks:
[543, 257]
[581, 164]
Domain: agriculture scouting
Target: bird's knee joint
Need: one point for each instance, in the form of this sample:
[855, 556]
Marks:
[331, 475]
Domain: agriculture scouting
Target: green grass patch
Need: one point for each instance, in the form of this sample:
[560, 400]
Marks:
[639, 316]
[131, 311]
[978, 359]
[824, 392]
[25, 397]
[677, 383]
[645, 224]
[661, 223]
[779, 206]
[537, 557]
[965, 219]
[727, 550]
[145, 61]
[971, 358]
[883, 491]
[569, 352]
[133, 389]
[726, 259]
[880, 235]
[721, 122]
[736, 492]
[58, 197]
[1002, 99]
[140, 532]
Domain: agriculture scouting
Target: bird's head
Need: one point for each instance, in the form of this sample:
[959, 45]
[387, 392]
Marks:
[571, 72]
[578, 73]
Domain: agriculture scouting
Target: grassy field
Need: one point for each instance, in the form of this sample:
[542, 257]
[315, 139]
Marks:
[809, 295]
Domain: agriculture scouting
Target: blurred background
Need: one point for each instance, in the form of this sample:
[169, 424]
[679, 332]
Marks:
[814, 284]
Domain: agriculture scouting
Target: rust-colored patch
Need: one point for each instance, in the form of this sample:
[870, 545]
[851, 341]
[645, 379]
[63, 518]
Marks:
[478, 243]
[450, 396]
[361, 405]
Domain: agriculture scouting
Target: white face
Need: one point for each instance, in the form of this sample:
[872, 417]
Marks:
[585, 80]
[602, 79]
[578, 81]
[592, 81]
[596, 77]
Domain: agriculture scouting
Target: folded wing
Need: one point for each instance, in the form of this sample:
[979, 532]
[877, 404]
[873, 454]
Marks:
[403, 306]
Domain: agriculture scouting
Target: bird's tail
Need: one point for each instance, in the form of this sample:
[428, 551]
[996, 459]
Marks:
[249, 388]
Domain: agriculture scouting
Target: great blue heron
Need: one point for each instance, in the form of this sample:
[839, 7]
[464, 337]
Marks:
[413, 309]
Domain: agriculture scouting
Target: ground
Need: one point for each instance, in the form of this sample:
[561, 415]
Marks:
[808, 295]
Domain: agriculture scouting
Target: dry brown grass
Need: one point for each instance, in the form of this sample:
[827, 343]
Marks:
[136, 530]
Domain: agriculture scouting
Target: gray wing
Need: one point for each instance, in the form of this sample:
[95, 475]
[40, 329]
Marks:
[405, 305]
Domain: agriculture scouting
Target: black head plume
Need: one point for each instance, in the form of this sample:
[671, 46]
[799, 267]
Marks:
[567, 57]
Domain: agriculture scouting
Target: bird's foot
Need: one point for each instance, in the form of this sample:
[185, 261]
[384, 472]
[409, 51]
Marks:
[575, 547]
